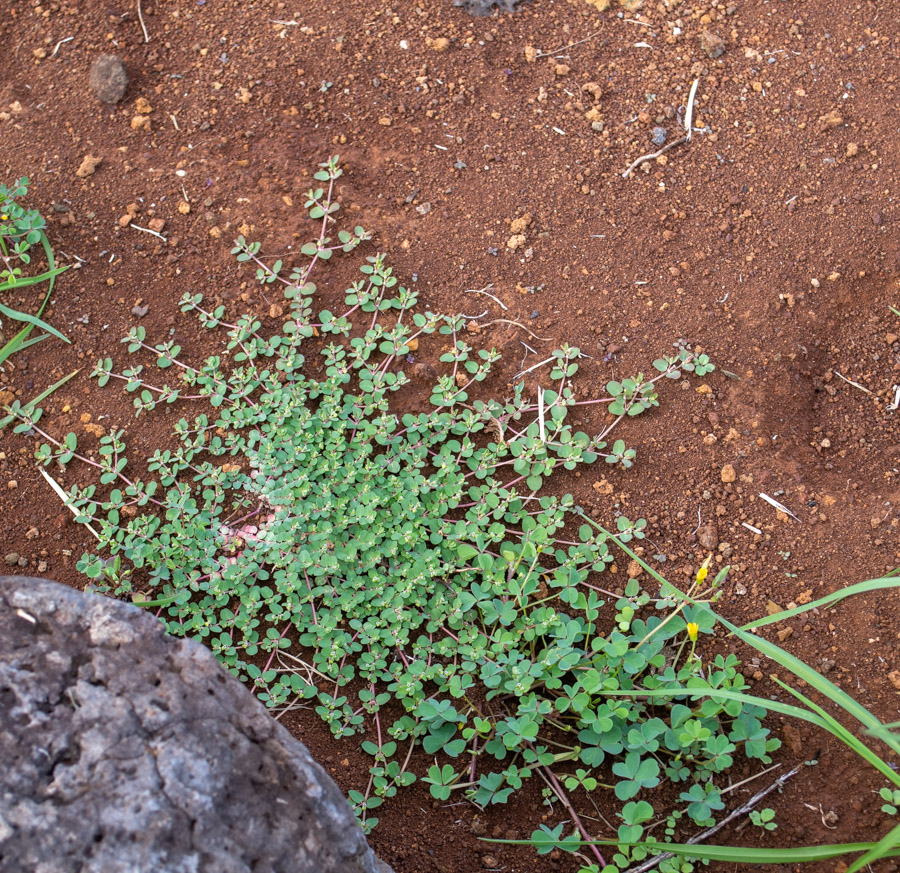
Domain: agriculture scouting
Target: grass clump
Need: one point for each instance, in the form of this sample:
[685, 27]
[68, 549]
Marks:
[20, 230]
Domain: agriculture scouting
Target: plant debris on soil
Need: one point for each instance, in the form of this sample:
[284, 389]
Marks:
[488, 153]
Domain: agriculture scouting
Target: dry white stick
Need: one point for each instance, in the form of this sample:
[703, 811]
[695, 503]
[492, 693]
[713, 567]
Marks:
[644, 158]
[896, 403]
[67, 39]
[541, 364]
[689, 115]
[175, 122]
[743, 782]
[779, 506]
[141, 19]
[543, 339]
[487, 294]
[147, 230]
[65, 498]
[705, 835]
[567, 47]
[750, 527]
[854, 384]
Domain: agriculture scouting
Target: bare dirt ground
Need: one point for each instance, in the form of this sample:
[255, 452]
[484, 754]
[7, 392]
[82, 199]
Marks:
[491, 151]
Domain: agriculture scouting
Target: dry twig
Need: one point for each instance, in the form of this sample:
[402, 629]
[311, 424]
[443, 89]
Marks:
[778, 505]
[65, 498]
[854, 384]
[644, 158]
[486, 293]
[147, 230]
[543, 339]
[141, 19]
[705, 835]
[567, 47]
[688, 125]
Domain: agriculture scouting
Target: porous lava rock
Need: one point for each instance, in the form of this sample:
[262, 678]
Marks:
[485, 7]
[124, 750]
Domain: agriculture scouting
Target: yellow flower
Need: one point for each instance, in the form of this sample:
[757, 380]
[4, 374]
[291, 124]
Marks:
[704, 570]
[692, 630]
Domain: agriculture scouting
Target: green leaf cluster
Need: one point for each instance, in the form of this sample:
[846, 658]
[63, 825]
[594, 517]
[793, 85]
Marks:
[407, 576]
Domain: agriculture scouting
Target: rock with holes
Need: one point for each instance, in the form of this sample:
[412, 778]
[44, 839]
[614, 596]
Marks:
[485, 7]
[123, 750]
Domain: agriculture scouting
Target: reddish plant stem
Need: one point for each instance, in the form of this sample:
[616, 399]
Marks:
[287, 627]
[564, 800]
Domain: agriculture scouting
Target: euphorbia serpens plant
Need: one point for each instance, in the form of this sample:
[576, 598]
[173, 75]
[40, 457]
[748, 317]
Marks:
[413, 578]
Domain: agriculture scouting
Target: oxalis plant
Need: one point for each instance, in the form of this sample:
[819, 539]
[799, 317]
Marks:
[409, 577]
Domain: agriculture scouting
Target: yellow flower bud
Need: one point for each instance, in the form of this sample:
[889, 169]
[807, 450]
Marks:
[701, 575]
[692, 629]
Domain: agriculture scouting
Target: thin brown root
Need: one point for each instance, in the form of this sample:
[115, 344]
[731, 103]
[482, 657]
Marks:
[645, 158]
[543, 339]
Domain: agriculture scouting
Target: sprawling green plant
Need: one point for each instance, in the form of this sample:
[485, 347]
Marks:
[634, 843]
[20, 229]
[407, 576]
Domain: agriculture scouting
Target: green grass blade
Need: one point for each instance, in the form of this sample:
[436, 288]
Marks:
[54, 270]
[744, 854]
[747, 855]
[28, 407]
[27, 281]
[886, 733]
[803, 671]
[33, 320]
[48, 391]
[18, 342]
[829, 600]
[881, 849]
[845, 736]
[726, 694]
[30, 342]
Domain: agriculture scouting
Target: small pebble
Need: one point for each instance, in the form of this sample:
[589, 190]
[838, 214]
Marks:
[712, 44]
[659, 136]
[108, 79]
[12, 559]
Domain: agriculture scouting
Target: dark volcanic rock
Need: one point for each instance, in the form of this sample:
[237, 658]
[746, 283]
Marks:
[108, 79]
[123, 750]
[485, 7]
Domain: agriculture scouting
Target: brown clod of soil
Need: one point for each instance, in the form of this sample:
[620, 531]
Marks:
[712, 44]
[108, 78]
[88, 165]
